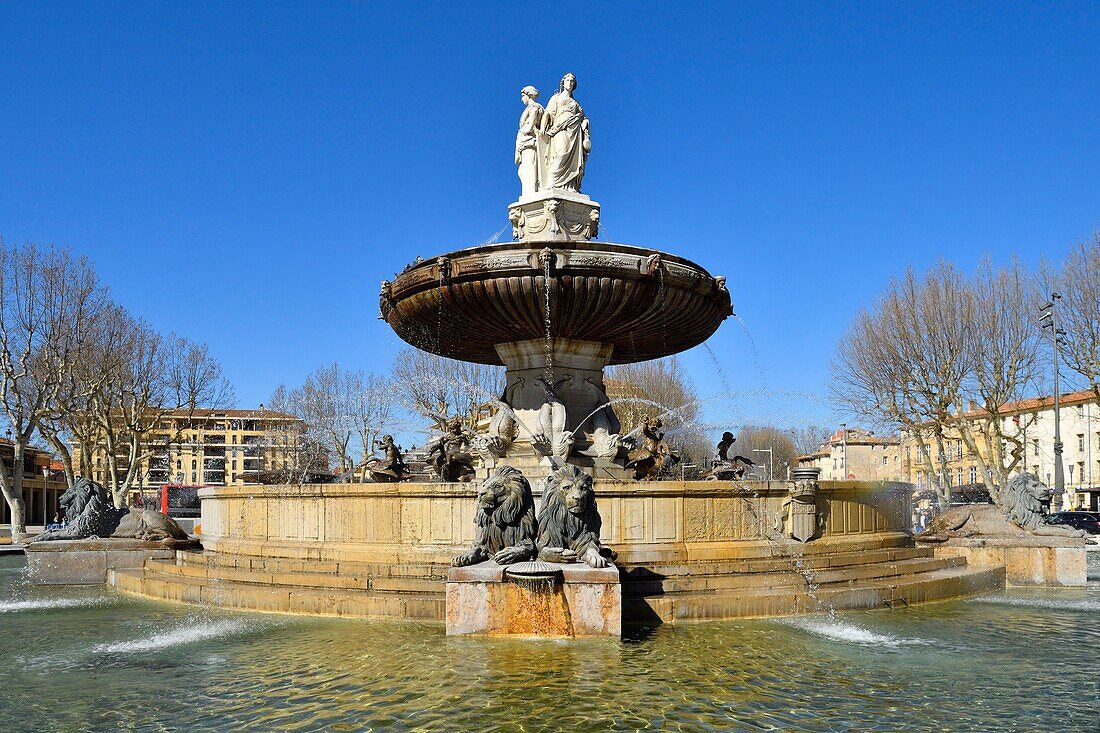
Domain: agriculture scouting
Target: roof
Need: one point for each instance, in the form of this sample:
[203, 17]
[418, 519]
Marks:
[253, 414]
[859, 436]
[1034, 404]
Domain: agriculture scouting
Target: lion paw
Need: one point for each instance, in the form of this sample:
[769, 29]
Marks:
[593, 557]
[509, 555]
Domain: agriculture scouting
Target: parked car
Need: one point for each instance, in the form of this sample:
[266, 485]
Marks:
[1088, 521]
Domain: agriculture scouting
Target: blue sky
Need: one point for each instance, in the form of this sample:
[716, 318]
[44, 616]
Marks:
[246, 174]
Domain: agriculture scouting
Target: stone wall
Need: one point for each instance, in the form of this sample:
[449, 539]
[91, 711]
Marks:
[433, 522]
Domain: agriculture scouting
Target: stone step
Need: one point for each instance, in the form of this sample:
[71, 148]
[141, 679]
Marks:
[934, 585]
[788, 577]
[276, 565]
[392, 584]
[725, 551]
[779, 564]
[279, 599]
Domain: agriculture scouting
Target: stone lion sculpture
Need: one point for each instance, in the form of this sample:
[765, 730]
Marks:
[89, 514]
[505, 520]
[569, 523]
[1018, 515]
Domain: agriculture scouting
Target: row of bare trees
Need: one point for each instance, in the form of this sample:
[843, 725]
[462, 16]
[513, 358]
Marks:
[940, 354]
[77, 369]
[344, 413]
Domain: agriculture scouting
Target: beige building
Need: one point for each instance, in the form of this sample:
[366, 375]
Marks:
[856, 454]
[1032, 422]
[42, 484]
[213, 448]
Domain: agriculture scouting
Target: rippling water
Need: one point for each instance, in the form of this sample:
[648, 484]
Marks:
[89, 660]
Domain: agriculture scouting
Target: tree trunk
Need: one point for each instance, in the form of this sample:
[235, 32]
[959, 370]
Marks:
[13, 492]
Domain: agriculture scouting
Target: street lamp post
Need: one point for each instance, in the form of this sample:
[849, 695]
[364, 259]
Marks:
[771, 471]
[1048, 319]
[843, 451]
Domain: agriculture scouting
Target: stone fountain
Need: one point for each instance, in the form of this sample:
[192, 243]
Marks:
[555, 306]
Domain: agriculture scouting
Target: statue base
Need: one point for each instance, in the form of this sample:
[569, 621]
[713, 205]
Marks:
[557, 215]
[86, 562]
[584, 601]
[1041, 561]
[558, 412]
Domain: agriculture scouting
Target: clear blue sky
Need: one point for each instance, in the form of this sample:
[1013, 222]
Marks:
[246, 174]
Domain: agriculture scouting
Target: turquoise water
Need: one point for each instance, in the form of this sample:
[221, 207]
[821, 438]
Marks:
[92, 660]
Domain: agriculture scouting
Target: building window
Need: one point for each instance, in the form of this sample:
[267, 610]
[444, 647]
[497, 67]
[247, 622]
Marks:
[1081, 442]
[959, 449]
[885, 461]
[194, 463]
[959, 476]
[973, 474]
[1035, 447]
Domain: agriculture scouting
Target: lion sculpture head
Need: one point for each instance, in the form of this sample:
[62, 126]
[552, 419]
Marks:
[569, 522]
[505, 519]
[1022, 500]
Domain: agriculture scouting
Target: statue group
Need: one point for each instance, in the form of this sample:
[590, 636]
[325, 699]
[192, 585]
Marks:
[566, 528]
[553, 143]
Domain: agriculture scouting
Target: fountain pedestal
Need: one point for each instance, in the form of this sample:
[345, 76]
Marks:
[555, 394]
[583, 601]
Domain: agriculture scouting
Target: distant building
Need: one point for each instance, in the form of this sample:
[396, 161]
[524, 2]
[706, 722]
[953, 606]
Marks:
[42, 485]
[1031, 421]
[213, 448]
[856, 455]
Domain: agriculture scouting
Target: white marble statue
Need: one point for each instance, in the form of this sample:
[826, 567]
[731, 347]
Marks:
[564, 123]
[530, 143]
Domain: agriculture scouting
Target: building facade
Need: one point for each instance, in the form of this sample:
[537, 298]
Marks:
[858, 455]
[43, 485]
[212, 448]
[1031, 421]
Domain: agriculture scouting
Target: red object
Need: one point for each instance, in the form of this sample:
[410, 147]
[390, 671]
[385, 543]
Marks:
[164, 493]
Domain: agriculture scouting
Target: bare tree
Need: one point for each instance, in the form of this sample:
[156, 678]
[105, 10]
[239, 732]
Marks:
[809, 438]
[661, 388]
[941, 356]
[1003, 359]
[902, 362]
[343, 411]
[297, 454]
[372, 400]
[46, 298]
[438, 388]
[156, 384]
[770, 448]
[1078, 282]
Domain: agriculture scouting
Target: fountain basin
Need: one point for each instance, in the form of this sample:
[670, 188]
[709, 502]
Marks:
[686, 550]
[642, 303]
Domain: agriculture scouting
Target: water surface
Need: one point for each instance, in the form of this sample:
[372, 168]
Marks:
[87, 659]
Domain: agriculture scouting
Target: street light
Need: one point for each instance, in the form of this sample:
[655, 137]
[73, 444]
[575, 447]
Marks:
[771, 472]
[843, 451]
[1048, 319]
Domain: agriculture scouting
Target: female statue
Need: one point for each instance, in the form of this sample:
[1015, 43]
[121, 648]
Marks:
[529, 143]
[565, 124]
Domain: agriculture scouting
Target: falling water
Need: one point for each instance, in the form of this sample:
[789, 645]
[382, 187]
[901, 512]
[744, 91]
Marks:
[755, 354]
[546, 265]
[718, 368]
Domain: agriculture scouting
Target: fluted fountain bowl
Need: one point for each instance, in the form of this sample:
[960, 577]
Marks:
[645, 303]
